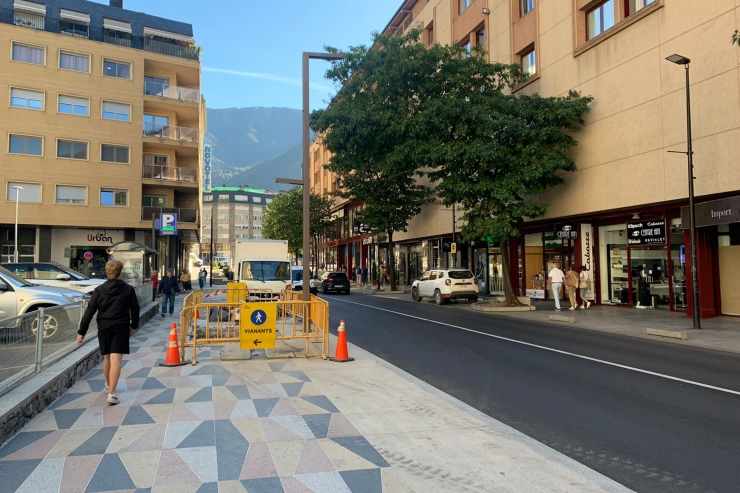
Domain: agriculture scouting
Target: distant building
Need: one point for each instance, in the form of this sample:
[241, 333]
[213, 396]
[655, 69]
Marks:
[100, 128]
[235, 213]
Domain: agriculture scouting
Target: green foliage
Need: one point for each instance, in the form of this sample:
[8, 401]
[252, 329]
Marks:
[736, 37]
[284, 218]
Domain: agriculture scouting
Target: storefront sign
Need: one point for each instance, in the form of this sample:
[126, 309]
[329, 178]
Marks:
[538, 294]
[722, 211]
[587, 254]
[646, 232]
[99, 237]
[446, 244]
[207, 168]
[566, 231]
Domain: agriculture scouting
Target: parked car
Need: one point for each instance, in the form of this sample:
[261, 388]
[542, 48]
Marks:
[220, 262]
[446, 284]
[296, 275]
[334, 281]
[197, 261]
[54, 275]
[18, 297]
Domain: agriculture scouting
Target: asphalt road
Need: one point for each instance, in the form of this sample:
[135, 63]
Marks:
[648, 432]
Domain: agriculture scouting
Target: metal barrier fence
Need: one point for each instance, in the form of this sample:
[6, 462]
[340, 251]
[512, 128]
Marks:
[212, 317]
[23, 354]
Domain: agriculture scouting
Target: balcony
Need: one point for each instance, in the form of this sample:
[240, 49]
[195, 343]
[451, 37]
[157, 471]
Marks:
[104, 35]
[170, 132]
[183, 215]
[160, 90]
[167, 173]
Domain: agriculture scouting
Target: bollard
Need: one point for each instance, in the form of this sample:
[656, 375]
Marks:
[39, 339]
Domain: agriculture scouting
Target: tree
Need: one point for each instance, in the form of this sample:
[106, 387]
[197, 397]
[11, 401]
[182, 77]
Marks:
[494, 152]
[284, 219]
[368, 128]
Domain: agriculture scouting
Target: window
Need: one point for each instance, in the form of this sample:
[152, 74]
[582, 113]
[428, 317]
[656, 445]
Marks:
[69, 149]
[430, 35]
[526, 6]
[154, 201]
[207, 198]
[30, 192]
[114, 154]
[71, 195]
[22, 144]
[78, 63]
[267, 201]
[480, 38]
[223, 216]
[113, 198]
[600, 18]
[257, 218]
[241, 198]
[257, 199]
[116, 111]
[119, 70]
[30, 100]
[632, 6]
[28, 54]
[156, 125]
[529, 62]
[464, 4]
[71, 105]
[156, 86]
[155, 159]
[223, 198]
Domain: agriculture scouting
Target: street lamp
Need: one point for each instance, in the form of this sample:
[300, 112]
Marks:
[682, 60]
[17, 195]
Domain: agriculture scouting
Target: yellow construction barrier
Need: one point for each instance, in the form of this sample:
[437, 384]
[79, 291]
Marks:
[218, 322]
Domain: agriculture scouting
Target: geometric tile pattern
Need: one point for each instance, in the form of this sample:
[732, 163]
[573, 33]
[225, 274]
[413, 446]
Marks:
[242, 426]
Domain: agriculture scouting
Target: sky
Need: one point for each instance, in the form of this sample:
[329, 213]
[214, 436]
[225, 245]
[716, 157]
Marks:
[252, 48]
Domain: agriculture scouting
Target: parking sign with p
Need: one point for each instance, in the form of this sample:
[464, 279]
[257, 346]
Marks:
[168, 224]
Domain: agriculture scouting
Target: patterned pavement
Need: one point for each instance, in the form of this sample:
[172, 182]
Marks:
[251, 426]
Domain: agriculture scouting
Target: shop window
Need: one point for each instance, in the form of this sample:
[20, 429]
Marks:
[526, 6]
[678, 266]
[600, 18]
[26, 253]
[614, 266]
[633, 6]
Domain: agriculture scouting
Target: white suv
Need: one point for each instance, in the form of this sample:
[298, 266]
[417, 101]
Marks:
[446, 284]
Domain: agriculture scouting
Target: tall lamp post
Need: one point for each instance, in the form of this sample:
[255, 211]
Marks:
[682, 60]
[17, 195]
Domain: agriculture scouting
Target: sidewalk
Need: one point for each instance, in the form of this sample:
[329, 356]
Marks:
[293, 426]
[719, 334]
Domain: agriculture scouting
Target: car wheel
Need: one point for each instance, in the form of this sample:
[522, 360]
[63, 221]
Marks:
[415, 294]
[53, 324]
[438, 299]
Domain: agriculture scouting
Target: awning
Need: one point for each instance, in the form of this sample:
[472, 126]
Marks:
[36, 8]
[117, 25]
[188, 235]
[167, 34]
[75, 16]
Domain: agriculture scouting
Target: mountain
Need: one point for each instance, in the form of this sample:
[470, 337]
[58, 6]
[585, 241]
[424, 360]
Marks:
[243, 137]
[262, 175]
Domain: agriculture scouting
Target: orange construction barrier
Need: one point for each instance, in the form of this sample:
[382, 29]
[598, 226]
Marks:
[342, 355]
[173, 351]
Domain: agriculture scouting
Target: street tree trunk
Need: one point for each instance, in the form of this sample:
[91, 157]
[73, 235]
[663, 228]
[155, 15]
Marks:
[391, 261]
[511, 298]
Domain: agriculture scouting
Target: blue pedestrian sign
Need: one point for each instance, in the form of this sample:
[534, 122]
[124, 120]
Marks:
[259, 317]
[258, 325]
[168, 224]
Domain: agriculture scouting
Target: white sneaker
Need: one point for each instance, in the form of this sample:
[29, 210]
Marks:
[112, 400]
[572, 308]
[588, 304]
[582, 307]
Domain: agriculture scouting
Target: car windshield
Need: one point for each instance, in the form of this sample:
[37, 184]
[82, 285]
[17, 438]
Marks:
[298, 274]
[460, 274]
[77, 276]
[265, 270]
[13, 279]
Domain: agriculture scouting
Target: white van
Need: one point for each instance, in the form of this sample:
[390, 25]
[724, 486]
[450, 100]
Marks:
[265, 278]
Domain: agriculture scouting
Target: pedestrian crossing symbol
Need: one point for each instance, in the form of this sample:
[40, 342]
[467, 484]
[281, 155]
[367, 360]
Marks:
[257, 325]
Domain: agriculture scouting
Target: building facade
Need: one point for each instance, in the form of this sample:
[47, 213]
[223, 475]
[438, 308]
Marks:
[100, 131]
[231, 214]
[620, 213]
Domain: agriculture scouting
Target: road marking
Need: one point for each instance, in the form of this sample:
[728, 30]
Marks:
[567, 353]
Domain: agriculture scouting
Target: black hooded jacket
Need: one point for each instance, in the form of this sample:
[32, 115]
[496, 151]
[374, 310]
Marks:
[116, 304]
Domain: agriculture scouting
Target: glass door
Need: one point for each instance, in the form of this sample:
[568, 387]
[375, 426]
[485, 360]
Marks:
[649, 277]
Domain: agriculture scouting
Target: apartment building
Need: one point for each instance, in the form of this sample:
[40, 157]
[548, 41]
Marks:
[100, 131]
[630, 179]
[231, 214]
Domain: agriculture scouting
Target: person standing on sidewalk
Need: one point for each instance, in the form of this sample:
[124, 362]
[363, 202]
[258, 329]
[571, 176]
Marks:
[584, 284]
[155, 285]
[168, 288]
[571, 284]
[202, 278]
[555, 280]
[118, 319]
[364, 275]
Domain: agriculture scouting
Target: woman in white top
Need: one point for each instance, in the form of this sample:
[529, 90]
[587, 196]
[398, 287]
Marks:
[584, 284]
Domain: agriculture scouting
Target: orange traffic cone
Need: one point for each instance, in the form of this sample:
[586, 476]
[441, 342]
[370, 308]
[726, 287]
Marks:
[173, 351]
[342, 355]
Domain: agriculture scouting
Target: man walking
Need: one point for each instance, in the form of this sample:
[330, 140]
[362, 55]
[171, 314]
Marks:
[118, 319]
[168, 288]
[555, 280]
[202, 274]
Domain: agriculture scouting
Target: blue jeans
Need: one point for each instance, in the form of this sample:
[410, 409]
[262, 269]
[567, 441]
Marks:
[154, 295]
[165, 298]
[201, 282]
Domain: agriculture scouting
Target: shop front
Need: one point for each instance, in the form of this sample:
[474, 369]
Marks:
[84, 250]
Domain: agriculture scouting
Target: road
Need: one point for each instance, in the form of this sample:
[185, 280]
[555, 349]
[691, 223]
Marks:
[654, 433]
